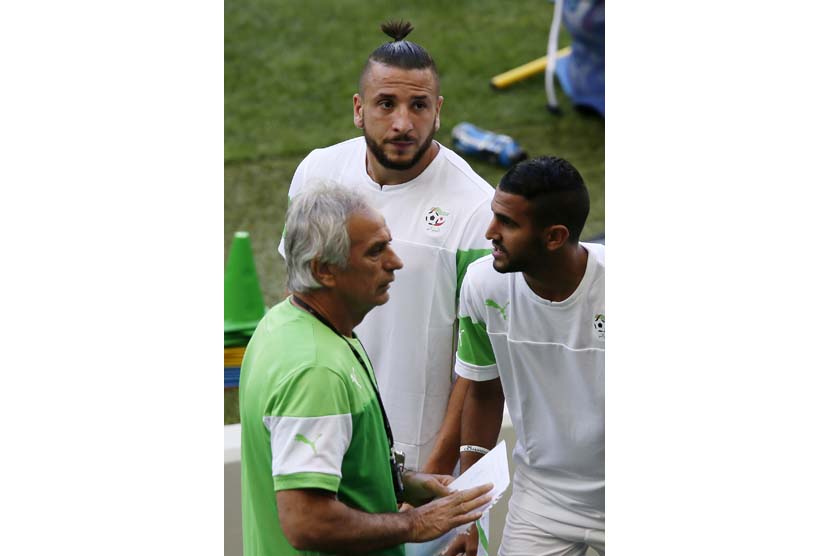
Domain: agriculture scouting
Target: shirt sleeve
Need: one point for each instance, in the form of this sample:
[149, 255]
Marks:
[297, 184]
[474, 359]
[310, 424]
[473, 244]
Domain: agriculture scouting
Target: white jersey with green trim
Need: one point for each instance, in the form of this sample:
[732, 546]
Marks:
[550, 357]
[437, 222]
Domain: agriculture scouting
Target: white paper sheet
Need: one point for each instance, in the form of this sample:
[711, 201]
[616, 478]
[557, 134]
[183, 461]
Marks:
[492, 468]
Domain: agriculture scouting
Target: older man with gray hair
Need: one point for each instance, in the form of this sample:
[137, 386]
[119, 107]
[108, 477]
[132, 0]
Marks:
[314, 429]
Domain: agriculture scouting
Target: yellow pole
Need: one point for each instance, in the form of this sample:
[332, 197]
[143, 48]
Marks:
[515, 75]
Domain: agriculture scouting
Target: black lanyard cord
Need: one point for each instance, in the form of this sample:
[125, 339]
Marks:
[395, 467]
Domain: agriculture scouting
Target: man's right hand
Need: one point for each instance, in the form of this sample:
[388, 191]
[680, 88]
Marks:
[432, 520]
[465, 544]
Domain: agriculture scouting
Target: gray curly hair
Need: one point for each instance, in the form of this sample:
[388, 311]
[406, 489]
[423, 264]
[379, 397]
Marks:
[315, 228]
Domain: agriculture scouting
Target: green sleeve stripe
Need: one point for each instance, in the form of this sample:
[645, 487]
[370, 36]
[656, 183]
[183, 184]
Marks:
[307, 480]
[474, 343]
[463, 260]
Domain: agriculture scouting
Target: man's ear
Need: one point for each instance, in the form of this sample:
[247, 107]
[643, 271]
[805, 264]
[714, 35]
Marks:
[322, 272]
[438, 106]
[556, 235]
[358, 110]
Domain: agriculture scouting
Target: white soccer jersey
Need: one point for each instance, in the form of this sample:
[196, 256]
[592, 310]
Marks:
[437, 221]
[550, 357]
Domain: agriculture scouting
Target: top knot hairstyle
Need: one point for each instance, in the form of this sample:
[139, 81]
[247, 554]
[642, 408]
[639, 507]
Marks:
[399, 52]
[398, 30]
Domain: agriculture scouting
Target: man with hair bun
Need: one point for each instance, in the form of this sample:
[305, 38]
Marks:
[314, 429]
[437, 208]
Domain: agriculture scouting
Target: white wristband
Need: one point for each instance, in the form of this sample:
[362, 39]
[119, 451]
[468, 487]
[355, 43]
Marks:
[472, 448]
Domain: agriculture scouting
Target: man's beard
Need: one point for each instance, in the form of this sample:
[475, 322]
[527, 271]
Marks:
[524, 260]
[506, 265]
[381, 157]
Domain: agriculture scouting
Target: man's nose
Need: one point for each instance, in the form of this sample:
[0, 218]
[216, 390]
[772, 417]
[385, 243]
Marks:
[490, 233]
[393, 262]
[402, 122]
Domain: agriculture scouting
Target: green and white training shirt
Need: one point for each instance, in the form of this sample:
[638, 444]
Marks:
[550, 357]
[437, 221]
[310, 419]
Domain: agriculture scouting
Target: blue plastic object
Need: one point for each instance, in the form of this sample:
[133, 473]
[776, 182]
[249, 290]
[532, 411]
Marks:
[492, 147]
[582, 73]
[232, 377]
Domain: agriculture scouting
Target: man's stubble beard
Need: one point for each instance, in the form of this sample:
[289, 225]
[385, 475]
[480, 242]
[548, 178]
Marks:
[384, 161]
[526, 261]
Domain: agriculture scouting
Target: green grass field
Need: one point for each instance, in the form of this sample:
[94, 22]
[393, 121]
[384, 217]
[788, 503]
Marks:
[291, 69]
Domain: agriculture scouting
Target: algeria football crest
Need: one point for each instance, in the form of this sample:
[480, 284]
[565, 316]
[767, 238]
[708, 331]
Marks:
[435, 219]
[599, 326]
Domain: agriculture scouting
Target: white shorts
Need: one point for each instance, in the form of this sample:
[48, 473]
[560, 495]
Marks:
[528, 533]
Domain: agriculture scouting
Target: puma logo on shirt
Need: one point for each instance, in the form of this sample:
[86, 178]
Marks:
[491, 303]
[304, 440]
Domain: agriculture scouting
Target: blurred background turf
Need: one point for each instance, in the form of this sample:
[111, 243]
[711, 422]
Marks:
[291, 69]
